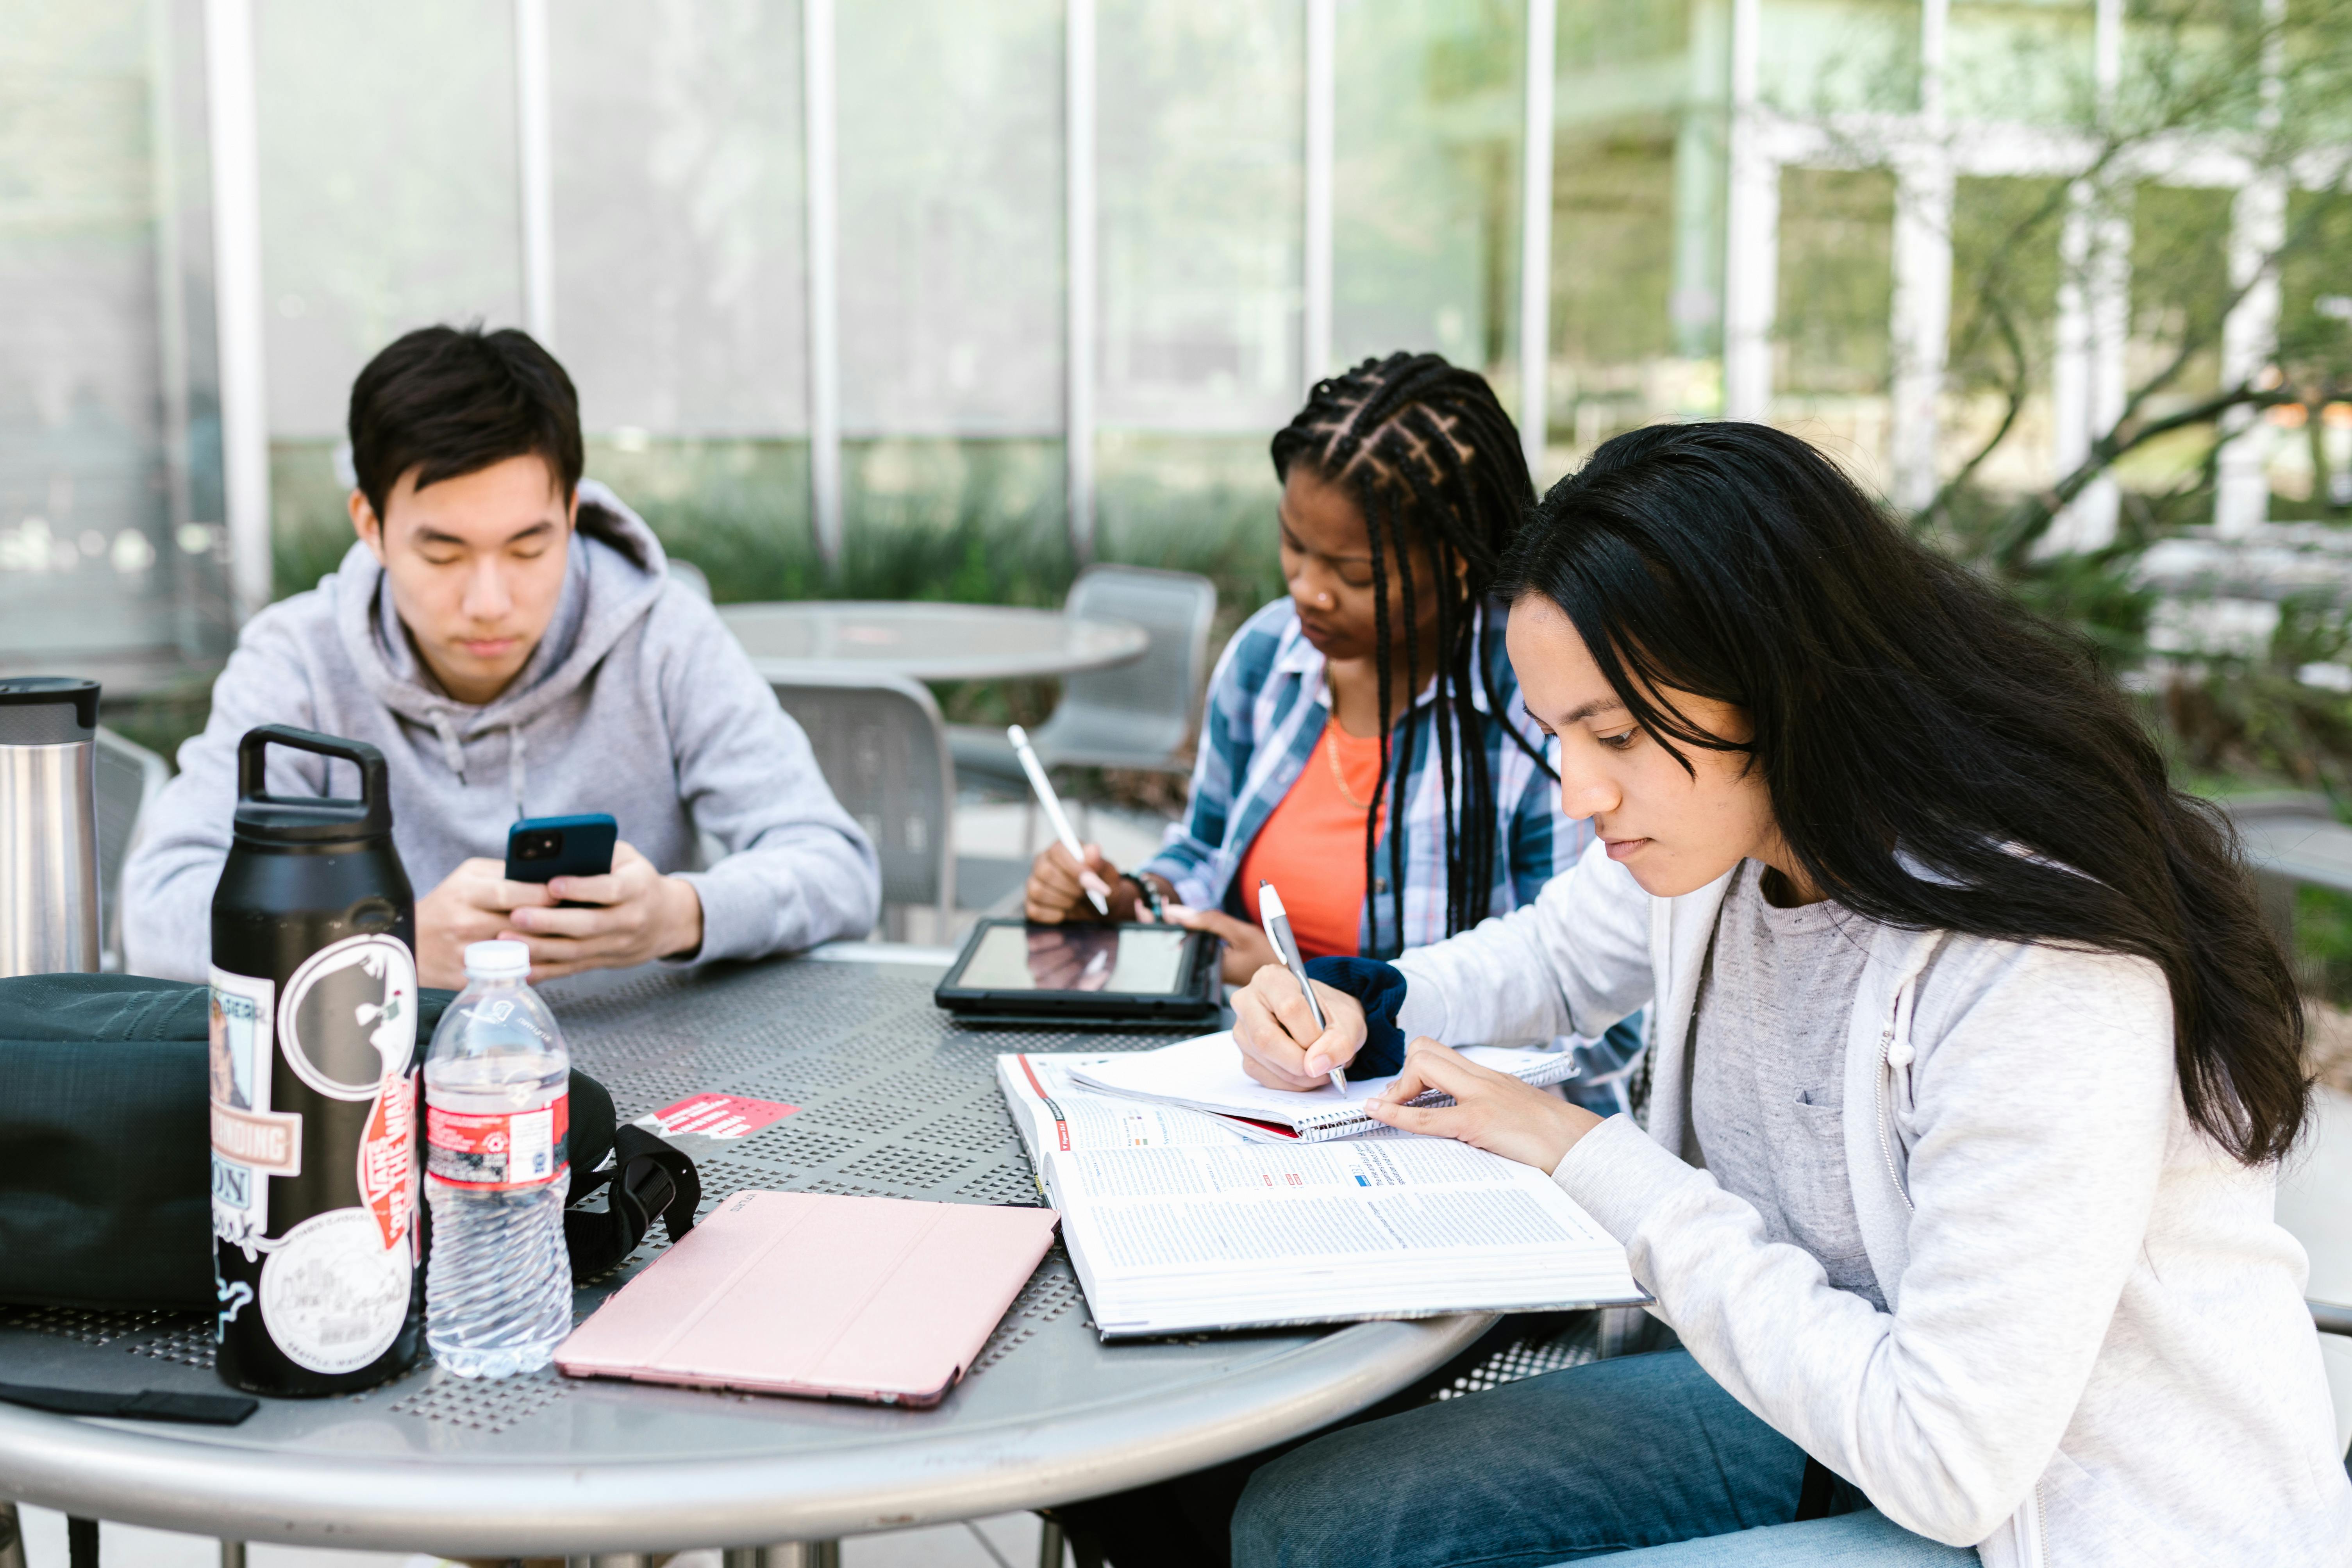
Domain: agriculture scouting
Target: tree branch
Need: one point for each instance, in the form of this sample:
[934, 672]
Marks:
[2016, 392]
[2035, 513]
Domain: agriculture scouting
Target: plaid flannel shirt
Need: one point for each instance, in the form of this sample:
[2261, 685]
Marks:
[1267, 705]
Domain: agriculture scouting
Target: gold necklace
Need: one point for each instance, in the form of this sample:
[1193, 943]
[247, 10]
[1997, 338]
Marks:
[1331, 755]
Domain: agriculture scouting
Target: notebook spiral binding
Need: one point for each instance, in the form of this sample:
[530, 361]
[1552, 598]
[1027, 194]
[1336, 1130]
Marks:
[1325, 1125]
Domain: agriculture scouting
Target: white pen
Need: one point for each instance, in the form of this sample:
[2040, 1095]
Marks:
[1277, 921]
[1096, 888]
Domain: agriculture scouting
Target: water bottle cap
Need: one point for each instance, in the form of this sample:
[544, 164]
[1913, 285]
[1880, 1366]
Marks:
[497, 960]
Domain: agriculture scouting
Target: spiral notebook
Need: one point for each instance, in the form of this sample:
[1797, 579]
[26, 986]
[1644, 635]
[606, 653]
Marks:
[1205, 1074]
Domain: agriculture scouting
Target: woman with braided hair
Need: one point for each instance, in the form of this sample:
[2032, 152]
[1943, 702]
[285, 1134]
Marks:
[1364, 747]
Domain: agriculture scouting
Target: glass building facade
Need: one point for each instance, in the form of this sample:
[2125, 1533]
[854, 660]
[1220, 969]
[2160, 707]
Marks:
[834, 277]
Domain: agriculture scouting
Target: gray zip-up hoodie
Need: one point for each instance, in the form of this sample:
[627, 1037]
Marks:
[638, 702]
[2095, 1350]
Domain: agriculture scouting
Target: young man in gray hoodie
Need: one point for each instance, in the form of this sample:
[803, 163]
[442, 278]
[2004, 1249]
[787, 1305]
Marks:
[507, 633]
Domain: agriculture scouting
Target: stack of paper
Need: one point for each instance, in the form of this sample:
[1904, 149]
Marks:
[1177, 1223]
[1205, 1074]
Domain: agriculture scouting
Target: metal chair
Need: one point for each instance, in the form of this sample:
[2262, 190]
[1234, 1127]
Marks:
[2312, 1208]
[1139, 715]
[129, 776]
[881, 745]
[2292, 840]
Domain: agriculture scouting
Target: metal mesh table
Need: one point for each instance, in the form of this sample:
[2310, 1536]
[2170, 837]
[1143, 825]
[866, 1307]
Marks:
[895, 1101]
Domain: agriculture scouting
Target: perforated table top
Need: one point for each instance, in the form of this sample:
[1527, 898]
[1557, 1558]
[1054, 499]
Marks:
[894, 1101]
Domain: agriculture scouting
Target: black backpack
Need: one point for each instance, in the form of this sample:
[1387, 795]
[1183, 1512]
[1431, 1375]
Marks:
[105, 1145]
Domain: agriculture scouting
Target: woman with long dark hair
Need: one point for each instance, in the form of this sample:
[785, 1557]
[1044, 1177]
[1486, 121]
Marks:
[1971, 1062]
[1363, 747]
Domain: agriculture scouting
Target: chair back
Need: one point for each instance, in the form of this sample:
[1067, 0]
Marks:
[128, 777]
[882, 747]
[1139, 715]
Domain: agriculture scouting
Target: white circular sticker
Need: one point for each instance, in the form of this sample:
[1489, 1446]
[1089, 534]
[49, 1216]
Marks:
[348, 1019]
[332, 1296]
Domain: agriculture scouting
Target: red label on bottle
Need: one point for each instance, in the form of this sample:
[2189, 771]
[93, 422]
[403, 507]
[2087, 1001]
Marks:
[498, 1153]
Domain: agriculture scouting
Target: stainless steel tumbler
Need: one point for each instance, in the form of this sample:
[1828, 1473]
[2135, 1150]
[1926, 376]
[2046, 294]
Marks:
[48, 825]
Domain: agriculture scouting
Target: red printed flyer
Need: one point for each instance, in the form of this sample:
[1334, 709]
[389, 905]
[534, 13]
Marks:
[700, 1123]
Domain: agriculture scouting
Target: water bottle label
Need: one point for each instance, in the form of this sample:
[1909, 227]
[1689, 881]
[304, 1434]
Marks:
[498, 1153]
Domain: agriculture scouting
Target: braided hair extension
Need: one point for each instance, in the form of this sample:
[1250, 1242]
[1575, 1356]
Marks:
[1432, 460]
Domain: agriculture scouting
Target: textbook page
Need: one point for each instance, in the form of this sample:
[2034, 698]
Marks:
[1184, 1238]
[1054, 1111]
[1205, 1074]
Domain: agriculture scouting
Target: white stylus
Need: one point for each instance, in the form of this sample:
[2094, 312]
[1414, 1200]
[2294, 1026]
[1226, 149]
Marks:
[1277, 921]
[1096, 888]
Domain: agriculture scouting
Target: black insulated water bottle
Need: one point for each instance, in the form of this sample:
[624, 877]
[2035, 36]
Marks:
[314, 1062]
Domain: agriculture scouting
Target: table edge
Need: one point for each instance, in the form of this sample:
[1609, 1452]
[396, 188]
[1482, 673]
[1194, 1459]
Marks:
[974, 666]
[467, 1507]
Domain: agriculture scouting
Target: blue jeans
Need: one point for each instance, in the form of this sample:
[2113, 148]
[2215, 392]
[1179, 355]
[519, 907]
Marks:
[1611, 1456]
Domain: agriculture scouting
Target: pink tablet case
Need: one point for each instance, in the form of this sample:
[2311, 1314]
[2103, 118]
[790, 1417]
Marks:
[836, 1298]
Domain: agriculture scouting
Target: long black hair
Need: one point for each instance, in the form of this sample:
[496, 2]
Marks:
[1432, 460]
[1938, 757]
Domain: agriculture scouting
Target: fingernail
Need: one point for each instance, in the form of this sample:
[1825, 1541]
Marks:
[1317, 1065]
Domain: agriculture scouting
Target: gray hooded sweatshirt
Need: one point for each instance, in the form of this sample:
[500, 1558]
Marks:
[638, 702]
[2094, 1352]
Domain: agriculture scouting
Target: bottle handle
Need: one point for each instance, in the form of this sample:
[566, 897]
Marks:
[252, 765]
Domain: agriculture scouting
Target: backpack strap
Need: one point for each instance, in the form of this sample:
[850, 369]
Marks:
[650, 1179]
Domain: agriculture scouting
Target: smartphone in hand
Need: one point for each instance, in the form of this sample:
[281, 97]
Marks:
[542, 848]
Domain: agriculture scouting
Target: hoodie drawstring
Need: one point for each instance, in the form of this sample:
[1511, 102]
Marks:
[452, 751]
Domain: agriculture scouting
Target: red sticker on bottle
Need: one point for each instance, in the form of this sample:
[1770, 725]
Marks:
[388, 1157]
[498, 1153]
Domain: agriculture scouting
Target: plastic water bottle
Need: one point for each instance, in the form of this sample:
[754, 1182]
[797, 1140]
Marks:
[498, 1283]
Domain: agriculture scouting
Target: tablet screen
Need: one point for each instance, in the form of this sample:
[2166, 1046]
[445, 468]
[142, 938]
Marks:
[1127, 961]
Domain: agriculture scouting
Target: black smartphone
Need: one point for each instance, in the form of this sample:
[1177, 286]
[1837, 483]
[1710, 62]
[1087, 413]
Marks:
[542, 848]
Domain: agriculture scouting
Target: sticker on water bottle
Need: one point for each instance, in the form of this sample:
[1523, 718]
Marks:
[498, 1153]
[333, 1297]
[250, 1143]
[387, 1159]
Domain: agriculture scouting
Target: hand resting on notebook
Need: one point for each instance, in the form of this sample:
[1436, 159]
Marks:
[1492, 1110]
[1282, 1048]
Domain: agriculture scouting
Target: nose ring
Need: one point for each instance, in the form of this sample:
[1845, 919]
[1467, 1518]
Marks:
[1323, 599]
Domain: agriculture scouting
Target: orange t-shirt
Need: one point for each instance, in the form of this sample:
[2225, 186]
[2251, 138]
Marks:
[1311, 846]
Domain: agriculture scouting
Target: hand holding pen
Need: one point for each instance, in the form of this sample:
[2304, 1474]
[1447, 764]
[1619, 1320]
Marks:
[1283, 1044]
[1068, 877]
[1098, 890]
[1058, 889]
[1277, 931]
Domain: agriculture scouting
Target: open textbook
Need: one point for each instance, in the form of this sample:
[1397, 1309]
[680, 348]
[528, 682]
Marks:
[1205, 1074]
[1178, 1224]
